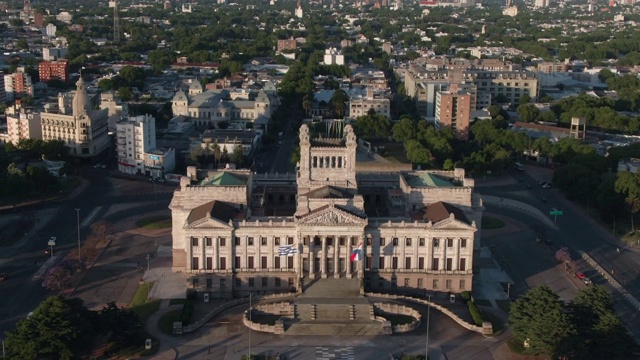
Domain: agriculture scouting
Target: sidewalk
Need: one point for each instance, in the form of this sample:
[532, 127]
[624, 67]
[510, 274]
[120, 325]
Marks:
[167, 350]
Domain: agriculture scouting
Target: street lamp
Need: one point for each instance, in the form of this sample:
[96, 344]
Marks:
[426, 354]
[148, 258]
[79, 253]
[509, 290]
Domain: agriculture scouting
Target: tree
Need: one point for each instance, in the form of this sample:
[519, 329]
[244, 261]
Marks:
[528, 112]
[540, 320]
[237, 156]
[217, 153]
[125, 93]
[628, 184]
[525, 99]
[58, 329]
[416, 153]
[404, 130]
[338, 103]
[124, 325]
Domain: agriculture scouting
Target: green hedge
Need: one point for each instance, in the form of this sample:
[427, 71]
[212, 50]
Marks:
[475, 313]
[466, 296]
[187, 312]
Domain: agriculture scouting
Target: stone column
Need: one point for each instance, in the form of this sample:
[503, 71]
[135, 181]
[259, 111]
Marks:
[323, 259]
[189, 248]
[336, 258]
[312, 257]
[364, 256]
[204, 254]
[347, 259]
[216, 252]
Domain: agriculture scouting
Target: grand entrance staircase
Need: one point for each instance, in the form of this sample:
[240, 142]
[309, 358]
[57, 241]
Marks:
[333, 307]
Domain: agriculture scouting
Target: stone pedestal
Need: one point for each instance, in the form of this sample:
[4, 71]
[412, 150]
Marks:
[324, 275]
[336, 276]
[349, 275]
[279, 327]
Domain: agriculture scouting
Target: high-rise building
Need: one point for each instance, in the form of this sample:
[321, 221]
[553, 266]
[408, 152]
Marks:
[287, 44]
[18, 85]
[38, 20]
[51, 54]
[51, 29]
[453, 110]
[3, 94]
[135, 137]
[54, 70]
[22, 124]
[541, 3]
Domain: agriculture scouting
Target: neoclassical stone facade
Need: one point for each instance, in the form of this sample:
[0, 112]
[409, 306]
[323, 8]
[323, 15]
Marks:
[418, 229]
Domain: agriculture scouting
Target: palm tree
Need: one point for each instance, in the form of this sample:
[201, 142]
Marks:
[634, 207]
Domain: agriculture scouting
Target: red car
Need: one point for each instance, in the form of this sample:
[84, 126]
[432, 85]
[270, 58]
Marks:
[584, 279]
[3, 277]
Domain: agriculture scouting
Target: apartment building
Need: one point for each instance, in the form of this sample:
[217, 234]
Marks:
[54, 70]
[18, 85]
[22, 124]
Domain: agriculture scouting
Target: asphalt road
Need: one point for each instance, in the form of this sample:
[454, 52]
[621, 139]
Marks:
[575, 231]
[21, 293]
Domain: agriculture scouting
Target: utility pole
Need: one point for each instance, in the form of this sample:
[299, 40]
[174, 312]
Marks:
[79, 253]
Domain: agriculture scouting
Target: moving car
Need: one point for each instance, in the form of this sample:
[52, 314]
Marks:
[545, 185]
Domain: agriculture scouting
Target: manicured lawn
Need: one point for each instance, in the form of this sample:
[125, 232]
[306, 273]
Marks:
[155, 222]
[504, 305]
[141, 305]
[165, 323]
[489, 223]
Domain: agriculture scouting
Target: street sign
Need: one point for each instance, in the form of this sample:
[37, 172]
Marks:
[556, 212]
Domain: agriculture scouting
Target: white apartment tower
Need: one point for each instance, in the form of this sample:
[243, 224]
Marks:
[135, 137]
[541, 4]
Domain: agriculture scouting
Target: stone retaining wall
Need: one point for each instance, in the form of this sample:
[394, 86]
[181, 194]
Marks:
[454, 317]
[632, 300]
[402, 310]
[518, 206]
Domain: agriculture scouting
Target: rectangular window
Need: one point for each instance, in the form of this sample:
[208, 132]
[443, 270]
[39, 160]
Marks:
[463, 264]
[290, 241]
[368, 241]
[195, 282]
[289, 262]
[394, 262]
[263, 262]
[421, 263]
[265, 282]
[382, 242]
[421, 242]
[276, 241]
[237, 241]
[263, 241]
[395, 241]
[250, 262]
[406, 282]
[381, 262]
[449, 242]
[209, 283]
[238, 282]
[276, 262]
[194, 241]
[223, 242]
[195, 263]
[436, 242]
[407, 242]
[447, 284]
[407, 262]
[462, 284]
[353, 241]
[237, 264]
[463, 243]
[341, 241]
[209, 263]
[251, 282]
[449, 265]
[223, 284]
[435, 283]
[250, 241]
[290, 282]
[223, 263]
[207, 241]
[420, 283]
[278, 284]
[434, 265]
[367, 263]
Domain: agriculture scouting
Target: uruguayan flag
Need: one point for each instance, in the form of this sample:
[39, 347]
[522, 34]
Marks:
[287, 250]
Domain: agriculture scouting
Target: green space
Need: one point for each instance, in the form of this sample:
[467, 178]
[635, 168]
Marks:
[165, 323]
[141, 305]
[516, 346]
[490, 223]
[155, 222]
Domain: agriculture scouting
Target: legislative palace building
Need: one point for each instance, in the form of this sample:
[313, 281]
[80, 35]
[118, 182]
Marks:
[417, 229]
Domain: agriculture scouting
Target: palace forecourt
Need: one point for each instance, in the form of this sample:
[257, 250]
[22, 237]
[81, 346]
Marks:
[237, 233]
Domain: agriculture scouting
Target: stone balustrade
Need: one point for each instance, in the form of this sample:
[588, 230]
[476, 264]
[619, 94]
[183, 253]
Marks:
[401, 310]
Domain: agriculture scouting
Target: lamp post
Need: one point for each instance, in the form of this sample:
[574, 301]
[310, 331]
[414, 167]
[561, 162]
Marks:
[426, 354]
[250, 325]
[78, 221]
[509, 290]
[148, 258]
[3, 353]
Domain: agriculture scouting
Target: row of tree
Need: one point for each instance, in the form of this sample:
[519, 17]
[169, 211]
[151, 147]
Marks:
[585, 328]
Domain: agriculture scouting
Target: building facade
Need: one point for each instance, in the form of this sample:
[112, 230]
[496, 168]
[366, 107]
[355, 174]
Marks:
[22, 124]
[135, 136]
[236, 232]
[453, 110]
[18, 85]
[54, 70]
[84, 130]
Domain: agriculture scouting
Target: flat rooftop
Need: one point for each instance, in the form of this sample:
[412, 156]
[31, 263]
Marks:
[427, 180]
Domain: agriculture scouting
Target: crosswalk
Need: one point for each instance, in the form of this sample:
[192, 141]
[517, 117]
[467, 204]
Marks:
[337, 353]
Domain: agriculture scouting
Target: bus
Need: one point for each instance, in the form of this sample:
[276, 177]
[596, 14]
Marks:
[518, 166]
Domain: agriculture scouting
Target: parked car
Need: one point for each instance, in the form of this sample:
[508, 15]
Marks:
[584, 279]
[545, 185]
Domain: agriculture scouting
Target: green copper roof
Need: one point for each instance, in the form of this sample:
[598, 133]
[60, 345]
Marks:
[427, 179]
[225, 179]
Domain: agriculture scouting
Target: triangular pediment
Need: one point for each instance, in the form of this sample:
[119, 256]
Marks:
[208, 223]
[453, 223]
[331, 216]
